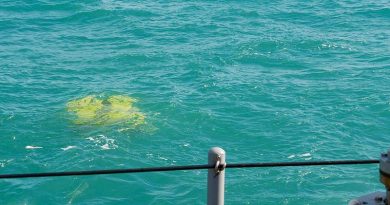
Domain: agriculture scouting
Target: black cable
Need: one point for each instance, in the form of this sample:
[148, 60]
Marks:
[189, 167]
[110, 171]
[307, 163]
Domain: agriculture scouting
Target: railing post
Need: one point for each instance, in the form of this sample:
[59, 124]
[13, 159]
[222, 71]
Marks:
[216, 177]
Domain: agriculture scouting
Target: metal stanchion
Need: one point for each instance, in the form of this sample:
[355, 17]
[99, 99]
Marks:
[378, 198]
[216, 177]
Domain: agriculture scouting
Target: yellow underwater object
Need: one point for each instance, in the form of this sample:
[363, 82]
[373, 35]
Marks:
[85, 108]
[115, 109]
[121, 103]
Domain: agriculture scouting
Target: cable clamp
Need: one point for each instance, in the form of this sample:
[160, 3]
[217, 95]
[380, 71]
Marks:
[219, 167]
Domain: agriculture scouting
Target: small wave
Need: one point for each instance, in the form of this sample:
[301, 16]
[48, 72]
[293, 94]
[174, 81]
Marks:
[33, 147]
[88, 16]
[103, 142]
[68, 148]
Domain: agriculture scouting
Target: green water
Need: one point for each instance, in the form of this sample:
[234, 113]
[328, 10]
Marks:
[265, 80]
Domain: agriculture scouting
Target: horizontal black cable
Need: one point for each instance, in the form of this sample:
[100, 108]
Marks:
[109, 171]
[189, 167]
[307, 163]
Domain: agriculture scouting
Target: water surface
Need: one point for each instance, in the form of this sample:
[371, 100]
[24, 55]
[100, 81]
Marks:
[267, 81]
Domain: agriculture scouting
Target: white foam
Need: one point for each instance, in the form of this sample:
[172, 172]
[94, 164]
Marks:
[291, 156]
[89, 138]
[163, 158]
[33, 147]
[68, 147]
[305, 155]
[103, 142]
[105, 146]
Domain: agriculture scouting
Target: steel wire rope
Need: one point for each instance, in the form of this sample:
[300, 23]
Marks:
[188, 167]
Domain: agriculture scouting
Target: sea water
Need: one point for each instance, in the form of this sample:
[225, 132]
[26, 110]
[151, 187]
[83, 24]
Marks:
[268, 81]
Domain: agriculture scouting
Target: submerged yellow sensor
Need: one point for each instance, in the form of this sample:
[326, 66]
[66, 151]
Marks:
[91, 110]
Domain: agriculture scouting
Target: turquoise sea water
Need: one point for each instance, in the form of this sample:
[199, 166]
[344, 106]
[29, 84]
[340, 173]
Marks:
[265, 80]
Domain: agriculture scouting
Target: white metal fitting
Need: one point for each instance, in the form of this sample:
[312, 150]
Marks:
[384, 168]
[385, 162]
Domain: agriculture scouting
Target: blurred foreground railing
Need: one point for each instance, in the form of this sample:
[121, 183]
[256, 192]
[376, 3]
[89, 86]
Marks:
[216, 173]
